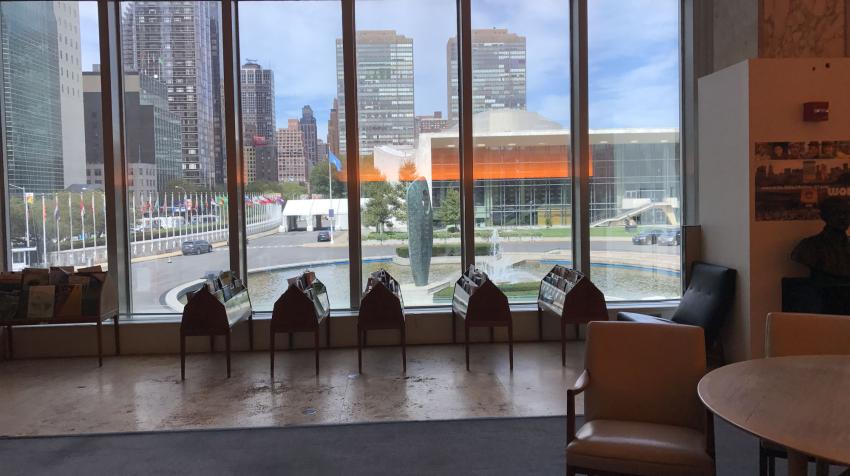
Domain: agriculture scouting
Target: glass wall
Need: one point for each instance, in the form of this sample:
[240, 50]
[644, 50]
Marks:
[57, 216]
[409, 167]
[635, 206]
[521, 128]
[296, 196]
[295, 153]
[174, 149]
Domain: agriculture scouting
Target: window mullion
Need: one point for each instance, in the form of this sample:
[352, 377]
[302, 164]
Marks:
[580, 136]
[352, 147]
[467, 180]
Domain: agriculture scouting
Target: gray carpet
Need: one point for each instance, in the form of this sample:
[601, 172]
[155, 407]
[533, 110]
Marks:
[508, 446]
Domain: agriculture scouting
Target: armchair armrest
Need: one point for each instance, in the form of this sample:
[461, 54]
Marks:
[580, 386]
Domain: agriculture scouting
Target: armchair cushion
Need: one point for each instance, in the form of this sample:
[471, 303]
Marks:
[638, 317]
[640, 448]
[708, 299]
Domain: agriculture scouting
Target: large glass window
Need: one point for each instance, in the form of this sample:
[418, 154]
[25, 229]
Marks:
[521, 120]
[409, 167]
[174, 149]
[296, 200]
[56, 205]
[635, 206]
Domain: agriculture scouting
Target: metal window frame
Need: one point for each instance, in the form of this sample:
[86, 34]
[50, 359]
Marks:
[466, 149]
[237, 235]
[352, 149]
[5, 221]
[579, 136]
[114, 165]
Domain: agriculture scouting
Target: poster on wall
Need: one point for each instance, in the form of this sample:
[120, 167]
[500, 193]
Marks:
[793, 177]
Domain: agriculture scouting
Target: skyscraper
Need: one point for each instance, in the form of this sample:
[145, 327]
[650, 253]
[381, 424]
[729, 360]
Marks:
[498, 71]
[70, 91]
[384, 89]
[153, 147]
[291, 164]
[218, 106]
[171, 41]
[333, 128]
[32, 115]
[308, 132]
[258, 113]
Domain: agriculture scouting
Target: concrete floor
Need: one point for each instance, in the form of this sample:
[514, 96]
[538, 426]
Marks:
[142, 393]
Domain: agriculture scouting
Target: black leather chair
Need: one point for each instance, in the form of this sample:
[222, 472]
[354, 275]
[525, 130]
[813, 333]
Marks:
[706, 303]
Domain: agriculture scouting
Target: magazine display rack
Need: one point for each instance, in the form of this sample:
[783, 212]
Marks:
[480, 303]
[381, 307]
[570, 296]
[213, 310]
[301, 308]
[40, 296]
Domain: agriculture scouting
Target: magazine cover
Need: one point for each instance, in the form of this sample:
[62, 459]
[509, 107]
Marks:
[69, 300]
[41, 301]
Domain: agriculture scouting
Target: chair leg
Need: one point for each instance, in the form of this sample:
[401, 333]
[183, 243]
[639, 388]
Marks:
[182, 356]
[117, 335]
[762, 461]
[328, 335]
[227, 350]
[212, 344]
[771, 465]
[821, 468]
[403, 349]
[10, 342]
[99, 343]
[539, 324]
[359, 351]
[491, 335]
[289, 336]
[563, 343]
[466, 344]
[316, 347]
[251, 331]
[271, 354]
[454, 327]
[578, 331]
[511, 344]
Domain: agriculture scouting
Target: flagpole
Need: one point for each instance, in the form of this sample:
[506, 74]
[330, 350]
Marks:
[105, 235]
[71, 224]
[94, 224]
[83, 222]
[133, 206]
[44, 227]
[57, 217]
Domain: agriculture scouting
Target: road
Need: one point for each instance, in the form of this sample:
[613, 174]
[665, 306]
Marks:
[152, 279]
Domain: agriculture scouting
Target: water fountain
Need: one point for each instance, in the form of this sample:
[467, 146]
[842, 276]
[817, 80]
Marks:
[499, 269]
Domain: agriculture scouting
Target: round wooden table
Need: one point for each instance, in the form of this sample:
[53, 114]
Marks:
[801, 403]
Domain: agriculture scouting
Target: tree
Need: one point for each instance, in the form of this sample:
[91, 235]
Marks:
[382, 205]
[292, 190]
[407, 172]
[319, 181]
[449, 211]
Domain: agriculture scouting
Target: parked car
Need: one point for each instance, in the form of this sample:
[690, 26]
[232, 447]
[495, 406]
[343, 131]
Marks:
[196, 247]
[670, 238]
[647, 237]
[324, 236]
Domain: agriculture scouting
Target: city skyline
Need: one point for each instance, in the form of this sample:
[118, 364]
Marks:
[633, 71]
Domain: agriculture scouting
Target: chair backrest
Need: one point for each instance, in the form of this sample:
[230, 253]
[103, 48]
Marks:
[708, 299]
[807, 334]
[644, 372]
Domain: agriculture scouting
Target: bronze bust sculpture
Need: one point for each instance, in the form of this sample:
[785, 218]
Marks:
[827, 254]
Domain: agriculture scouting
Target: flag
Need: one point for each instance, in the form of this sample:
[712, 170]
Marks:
[56, 215]
[82, 207]
[43, 210]
[335, 161]
[29, 197]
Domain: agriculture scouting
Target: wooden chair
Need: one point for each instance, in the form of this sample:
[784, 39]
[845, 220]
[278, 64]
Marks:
[380, 309]
[642, 412]
[790, 334]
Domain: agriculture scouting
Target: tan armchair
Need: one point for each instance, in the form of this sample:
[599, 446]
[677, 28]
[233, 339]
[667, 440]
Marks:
[642, 412]
[790, 334]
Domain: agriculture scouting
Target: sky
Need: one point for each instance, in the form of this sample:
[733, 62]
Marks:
[633, 54]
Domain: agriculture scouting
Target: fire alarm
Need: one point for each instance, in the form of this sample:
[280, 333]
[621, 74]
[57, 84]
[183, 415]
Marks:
[816, 111]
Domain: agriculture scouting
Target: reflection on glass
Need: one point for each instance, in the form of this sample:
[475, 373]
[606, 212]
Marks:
[634, 119]
[522, 188]
[56, 211]
[409, 167]
[294, 166]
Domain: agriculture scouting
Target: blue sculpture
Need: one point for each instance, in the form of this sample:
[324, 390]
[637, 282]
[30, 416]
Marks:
[420, 230]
